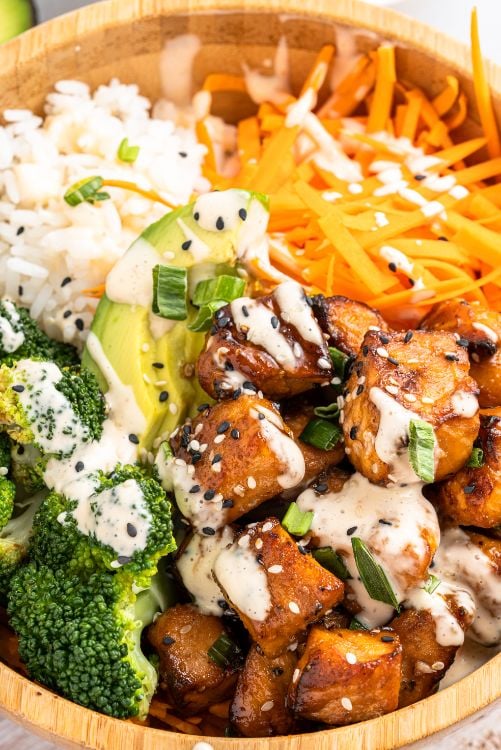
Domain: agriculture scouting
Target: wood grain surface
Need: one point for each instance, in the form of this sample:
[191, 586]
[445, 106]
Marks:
[124, 38]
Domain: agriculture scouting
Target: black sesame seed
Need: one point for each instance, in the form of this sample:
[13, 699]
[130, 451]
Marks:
[245, 311]
[131, 530]
[195, 457]
[384, 522]
[228, 503]
[235, 434]
[360, 389]
[228, 366]
[182, 154]
[277, 671]
[411, 282]
[213, 330]
[222, 322]
[196, 216]
[194, 489]
[219, 314]
[222, 427]
[79, 466]
[18, 388]
[353, 432]
[351, 530]
[66, 280]
[222, 604]
[274, 322]
[408, 337]
[220, 223]
[393, 361]
[260, 415]
[124, 559]
[463, 342]
[66, 314]
[321, 488]
[387, 638]
[452, 357]
[187, 429]
[158, 365]
[79, 324]
[163, 396]
[365, 350]
[217, 458]
[186, 245]
[469, 489]
[202, 407]
[208, 531]
[243, 214]
[134, 438]
[236, 394]
[209, 494]
[302, 549]
[248, 386]
[19, 231]
[419, 177]
[20, 450]
[392, 267]
[167, 640]
[443, 239]
[20, 290]
[384, 339]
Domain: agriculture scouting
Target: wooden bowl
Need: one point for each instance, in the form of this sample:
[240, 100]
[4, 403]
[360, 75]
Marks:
[124, 38]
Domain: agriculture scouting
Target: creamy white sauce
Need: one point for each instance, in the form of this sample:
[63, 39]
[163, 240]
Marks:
[464, 404]
[221, 206]
[295, 310]
[55, 424]
[438, 184]
[393, 435]
[252, 241]
[11, 338]
[198, 248]
[270, 88]
[492, 335]
[130, 281]
[286, 450]
[469, 657]
[195, 568]
[176, 66]
[297, 112]
[258, 329]
[244, 580]
[400, 547]
[448, 631]
[401, 261]
[330, 154]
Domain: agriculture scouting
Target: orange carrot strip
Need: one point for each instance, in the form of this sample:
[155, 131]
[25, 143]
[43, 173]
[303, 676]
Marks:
[276, 161]
[444, 101]
[411, 120]
[224, 82]
[94, 291]
[481, 242]
[125, 185]
[318, 72]
[458, 152]
[479, 172]
[351, 91]
[203, 136]
[458, 117]
[383, 93]
[249, 145]
[482, 92]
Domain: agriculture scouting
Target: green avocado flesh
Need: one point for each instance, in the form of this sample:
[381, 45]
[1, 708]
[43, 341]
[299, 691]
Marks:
[15, 17]
[126, 337]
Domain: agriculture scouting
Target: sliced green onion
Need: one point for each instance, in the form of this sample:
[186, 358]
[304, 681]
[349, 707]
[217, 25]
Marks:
[339, 361]
[422, 449]
[296, 522]
[126, 152]
[86, 190]
[332, 560]
[224, 652]
[432, 584]
[372, 574]
[327, 412]
[204, 317]
[222, 287]
[321, 434]
[170, 286]
[476, 459]
[356, 625]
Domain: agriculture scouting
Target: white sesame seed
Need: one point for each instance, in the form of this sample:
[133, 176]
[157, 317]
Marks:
[251, 483]
[259, 543]
[294, 608]
[393, 381]
[203, 448]
[382, 351]
[410, 397]
[274, 568]
[336, 381]
[361, 380]
[351, 658]
[324, 363]
[346, 704]
[185, 629]
[244, 541]
[293, 646]
[173, 408]
[267, 527]
[160, 383]
[219, 439]
[239, 490]
[297, 351]
[413, 361]
[194, 445]
[427, 400]
[391, 389]
[198, 429]
[145, 348]
[347, 450]
[437, 666]
[267, 706]
[216, 468]
[373, 328]
[295, 676]
[146, 378]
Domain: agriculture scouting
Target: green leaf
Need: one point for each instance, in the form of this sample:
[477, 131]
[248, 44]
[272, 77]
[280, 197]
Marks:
[86, 190]
[422, 449]
[476, 459]
[296, 522]
[432, 584]
[332, 560]
[126, 152]
[339, 361]
[170, 286]
[356, 625]
[372, 574]
[321, 434]
[224, 652]
[327, 412]
[204, 316]
[226, 288]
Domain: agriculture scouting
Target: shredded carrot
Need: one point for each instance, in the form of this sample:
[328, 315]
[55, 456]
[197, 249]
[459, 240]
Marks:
[94, 291]
[482, 92]
[383, 94]
[445, 100]
[224, 82]
[125, 185]
[318, 73]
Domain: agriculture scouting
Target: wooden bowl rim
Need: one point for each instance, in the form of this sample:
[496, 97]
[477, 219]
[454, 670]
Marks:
[58, 719]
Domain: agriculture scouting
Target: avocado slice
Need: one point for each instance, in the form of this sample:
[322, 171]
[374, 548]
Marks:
[154, 356]
[15, 17]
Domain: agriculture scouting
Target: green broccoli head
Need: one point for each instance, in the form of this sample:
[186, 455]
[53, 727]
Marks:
[21, 338]
[52, 409]
[124, 526]
[83, 639]
[27, 468]
[15, 537]
[7, 488]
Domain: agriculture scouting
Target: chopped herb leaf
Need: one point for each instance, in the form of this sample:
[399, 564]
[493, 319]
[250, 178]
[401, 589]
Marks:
[422, 449]
[476, 459]
[126, 152]
[432, 584]
[332, 560]
[321, 434]
[296, 522]
[224, 652]
[170, 285]
[372, 574]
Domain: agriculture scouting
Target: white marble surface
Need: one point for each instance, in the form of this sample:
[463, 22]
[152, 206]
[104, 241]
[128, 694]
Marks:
[483, 731]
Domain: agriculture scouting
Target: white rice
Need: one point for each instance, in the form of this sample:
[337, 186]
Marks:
[43, 241]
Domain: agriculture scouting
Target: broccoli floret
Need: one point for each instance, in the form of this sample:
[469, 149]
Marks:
[15, 538]
[27, 468]
[83, 638]
[7, 488]
[58, 542]
[52, 409]
[21, 338]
